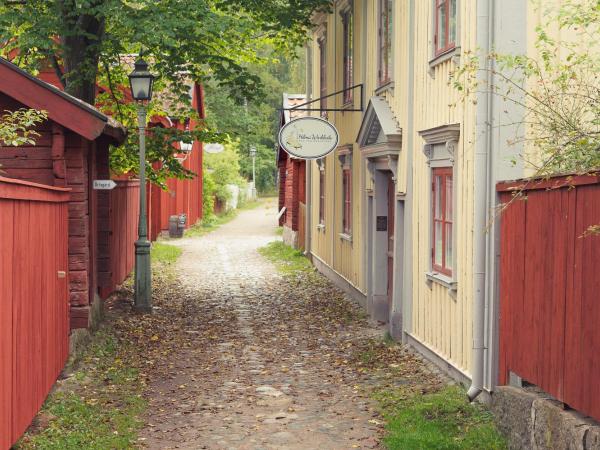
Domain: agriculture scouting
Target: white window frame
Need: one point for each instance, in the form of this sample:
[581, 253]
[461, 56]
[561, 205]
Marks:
[440, 150]
[453, 53]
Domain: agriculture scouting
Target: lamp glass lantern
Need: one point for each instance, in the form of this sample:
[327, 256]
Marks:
[252, 151]
[141, 81]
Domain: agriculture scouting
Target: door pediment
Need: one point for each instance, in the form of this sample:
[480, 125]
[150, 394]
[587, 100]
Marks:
[379, 134]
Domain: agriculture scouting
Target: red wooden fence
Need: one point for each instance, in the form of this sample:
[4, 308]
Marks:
[183, 197]
[34, 299]
[550, 289]
[124, 211]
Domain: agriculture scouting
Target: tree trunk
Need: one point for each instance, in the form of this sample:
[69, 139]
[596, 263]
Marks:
[81, 51]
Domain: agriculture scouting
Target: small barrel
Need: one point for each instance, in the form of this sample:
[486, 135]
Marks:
[174, 230]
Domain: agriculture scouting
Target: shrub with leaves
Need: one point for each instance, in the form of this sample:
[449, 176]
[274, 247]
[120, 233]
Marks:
[558, 89]
[220, 170]
[17, 127]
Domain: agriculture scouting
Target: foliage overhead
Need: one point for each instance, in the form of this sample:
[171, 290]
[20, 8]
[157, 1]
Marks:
[184, 41]
[557, 89]
[182, 38]
[256, 122]
[17, 127]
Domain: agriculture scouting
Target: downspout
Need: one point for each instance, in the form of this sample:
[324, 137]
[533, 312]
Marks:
[483, 138]
[408, 203]
[333, 200]
[308, 168]
[308, 165]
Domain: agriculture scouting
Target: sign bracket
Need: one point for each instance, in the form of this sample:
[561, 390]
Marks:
[351, 88]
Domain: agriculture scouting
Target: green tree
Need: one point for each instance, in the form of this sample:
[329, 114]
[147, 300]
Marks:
[557, 89]
[185, 41]
[255, 122]
[220, 170]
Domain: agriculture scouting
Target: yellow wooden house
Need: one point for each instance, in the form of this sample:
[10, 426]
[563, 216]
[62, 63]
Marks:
[399, 215]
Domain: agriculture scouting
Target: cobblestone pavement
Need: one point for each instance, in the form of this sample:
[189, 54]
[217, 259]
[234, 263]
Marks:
[262, 373]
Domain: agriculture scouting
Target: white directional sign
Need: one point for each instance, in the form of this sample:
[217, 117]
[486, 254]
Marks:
[308, 137]
[104, 184]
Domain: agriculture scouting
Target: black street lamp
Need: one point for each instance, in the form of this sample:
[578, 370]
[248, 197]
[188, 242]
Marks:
[141, 81]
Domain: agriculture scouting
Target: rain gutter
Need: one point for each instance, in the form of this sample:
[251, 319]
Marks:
[482, 175]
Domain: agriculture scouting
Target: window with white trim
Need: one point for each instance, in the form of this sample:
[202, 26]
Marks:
[440, 148]
[445, 26]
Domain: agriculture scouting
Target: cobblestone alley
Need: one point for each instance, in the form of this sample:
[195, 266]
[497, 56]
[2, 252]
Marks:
[265, 378]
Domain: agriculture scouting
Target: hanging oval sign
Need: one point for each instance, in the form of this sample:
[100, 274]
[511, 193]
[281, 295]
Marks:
[308, 137]
[213, 148]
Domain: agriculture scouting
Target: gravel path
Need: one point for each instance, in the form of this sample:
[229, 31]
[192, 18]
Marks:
[264, 370]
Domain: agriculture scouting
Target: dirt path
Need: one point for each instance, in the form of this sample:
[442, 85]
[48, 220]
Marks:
[264, 370]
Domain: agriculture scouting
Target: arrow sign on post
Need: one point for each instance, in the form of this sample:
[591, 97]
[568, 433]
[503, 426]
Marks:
[104, 184]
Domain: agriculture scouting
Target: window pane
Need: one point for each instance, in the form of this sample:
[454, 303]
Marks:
[452, 22]
[448, 248]
[449, 196]
[441, 30]
[437, 249]
[438, 197]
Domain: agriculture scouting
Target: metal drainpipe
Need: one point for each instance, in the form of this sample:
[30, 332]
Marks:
[333, 222]
[308, 165]
[408, 203]
[481, 189]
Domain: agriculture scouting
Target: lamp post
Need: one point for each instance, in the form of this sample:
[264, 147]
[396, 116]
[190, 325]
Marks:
[141, 81]
[253, 154]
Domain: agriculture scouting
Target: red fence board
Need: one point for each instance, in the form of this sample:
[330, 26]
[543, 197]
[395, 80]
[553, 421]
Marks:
[124, 211]
[549, 287]
[34, 312]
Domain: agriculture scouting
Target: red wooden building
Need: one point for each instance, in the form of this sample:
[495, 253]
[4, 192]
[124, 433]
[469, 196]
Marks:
[182, 196]
[71, 151]
[292, 182]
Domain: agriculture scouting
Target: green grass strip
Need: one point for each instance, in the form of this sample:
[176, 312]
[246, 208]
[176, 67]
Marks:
[287, 259]
[442, 420]
[165, 253]
[97, 408]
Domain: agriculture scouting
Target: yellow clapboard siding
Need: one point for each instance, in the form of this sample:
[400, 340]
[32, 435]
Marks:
[440, 319]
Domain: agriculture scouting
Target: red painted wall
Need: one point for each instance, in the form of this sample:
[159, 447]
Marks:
[101, 232]
[549, 308]
[63, 158]
[182, 196]
[124, 201]
[34, 305]
[292, 189]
